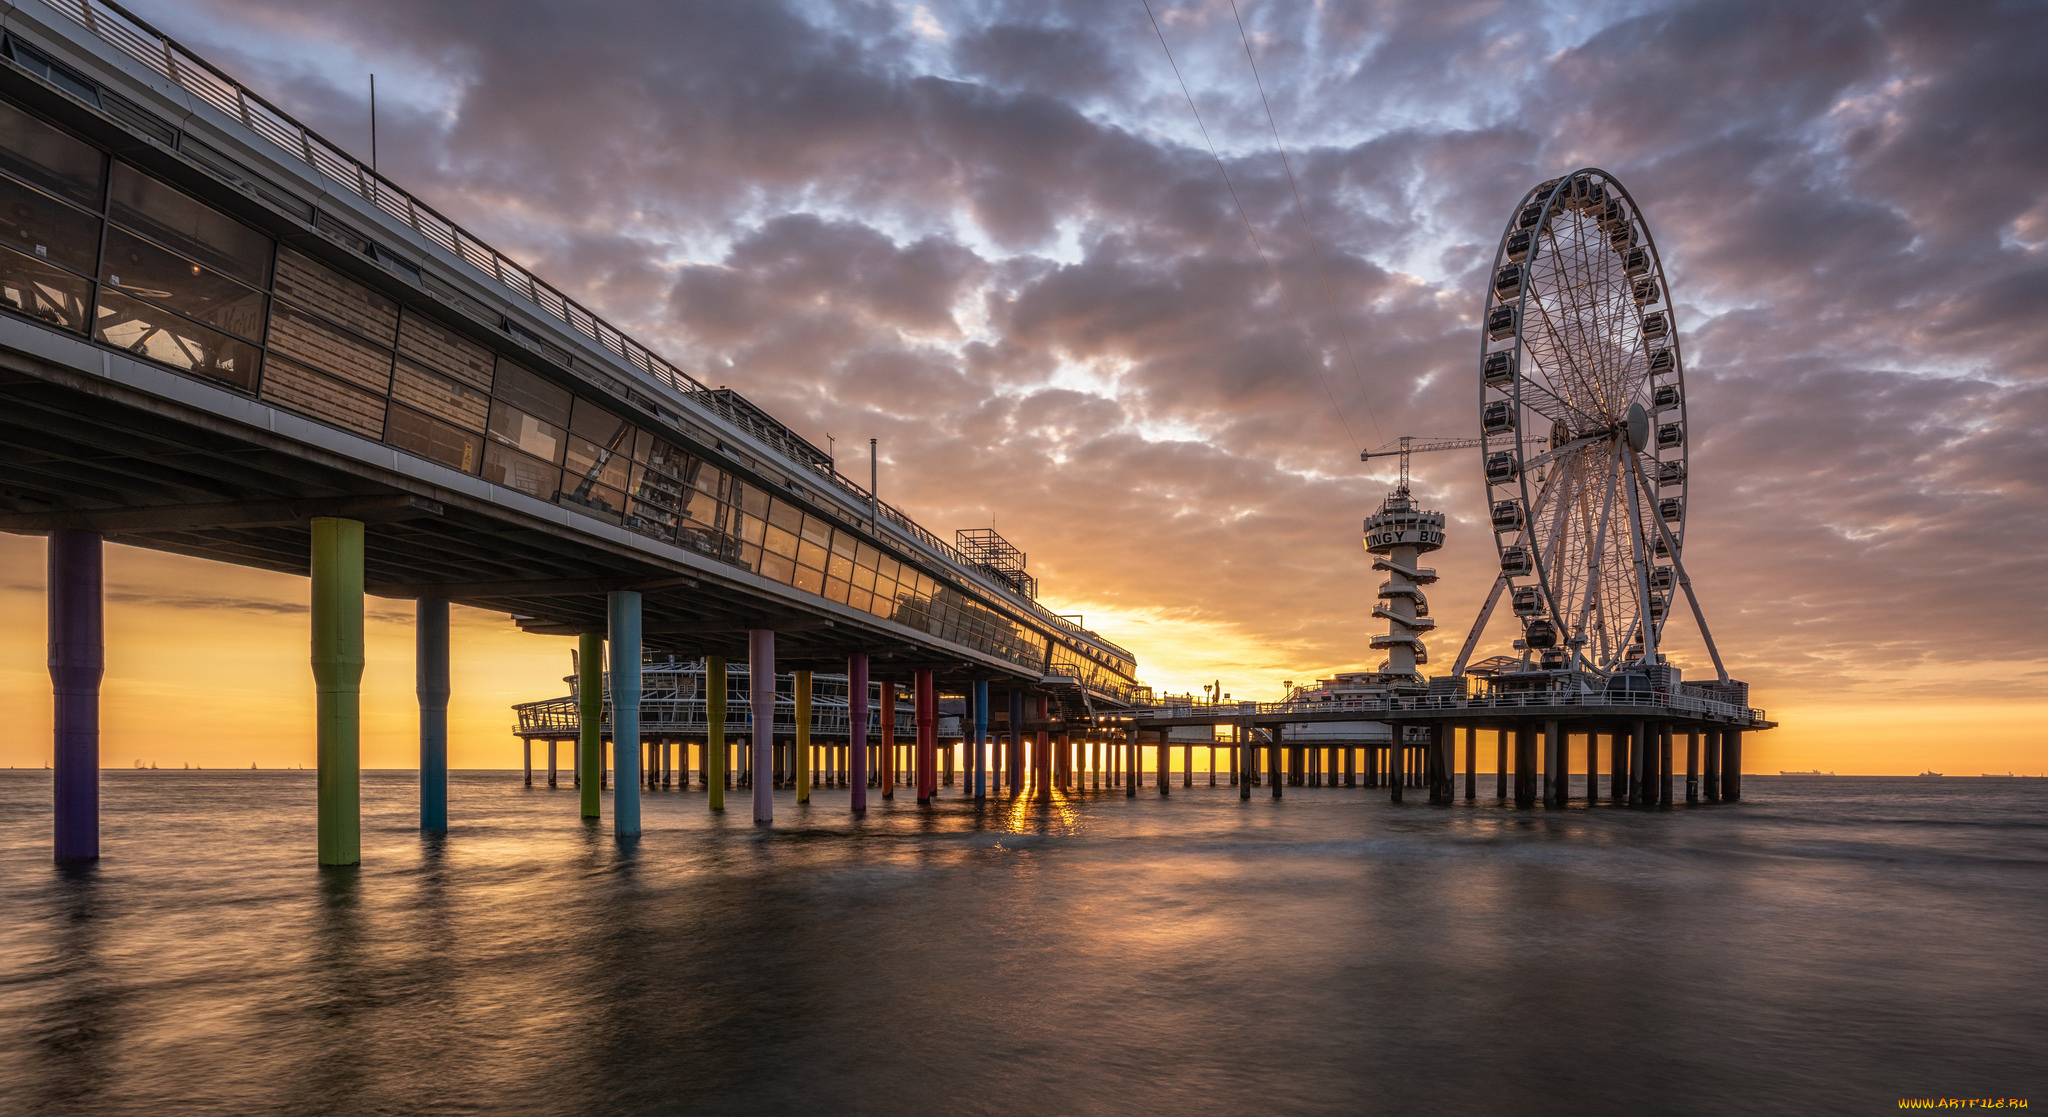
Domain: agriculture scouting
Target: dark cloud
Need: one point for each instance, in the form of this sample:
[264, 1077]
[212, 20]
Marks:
[990, 235]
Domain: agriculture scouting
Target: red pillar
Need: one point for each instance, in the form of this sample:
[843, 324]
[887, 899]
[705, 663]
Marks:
[886, 754]
[1041, 758]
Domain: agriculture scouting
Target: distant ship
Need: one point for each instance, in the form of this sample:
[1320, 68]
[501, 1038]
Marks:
[1930, 775]
[1996, 775]
[1815, 772]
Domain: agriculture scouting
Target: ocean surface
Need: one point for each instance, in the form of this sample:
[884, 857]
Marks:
[1828, 946]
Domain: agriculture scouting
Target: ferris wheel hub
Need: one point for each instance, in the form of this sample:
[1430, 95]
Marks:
[1638, 427]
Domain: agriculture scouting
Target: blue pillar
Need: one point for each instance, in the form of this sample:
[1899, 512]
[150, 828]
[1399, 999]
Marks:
[430, 683]
[980, 738]
[78, 659]
[857, 729]
[761, 682]
[622, 609]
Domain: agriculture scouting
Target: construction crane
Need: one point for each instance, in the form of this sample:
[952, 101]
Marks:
[1409, 444]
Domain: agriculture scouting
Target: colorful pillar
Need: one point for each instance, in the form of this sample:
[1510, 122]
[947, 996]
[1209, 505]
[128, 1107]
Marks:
[1041, 756]
[622, 613]
[1015, 758]
[78, 660]
[802, 686]
[590, 721]
[714, 731]
[857, 729]
[337, 563]
[761, 682]
[925, 697]
[886, 735]
[430, 684]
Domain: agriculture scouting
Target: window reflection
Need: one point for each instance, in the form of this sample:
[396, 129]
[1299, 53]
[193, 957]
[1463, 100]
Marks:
[43, 227]
[159, 335]
[144, 270]
[42, 292]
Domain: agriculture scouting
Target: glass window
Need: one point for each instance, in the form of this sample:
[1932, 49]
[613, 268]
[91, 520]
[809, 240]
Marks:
[602, 427]
[159, 335]
[326, 398]
[587, 459]
[887, 570]
[514, 470]
[750, 529]
[516, 428]
[780, 542]
[752, 500]
[750, 556]
[841, 568]
[528, 392]
[140, 268]
[440, 397]
[706, 477]
[809, 581]
[38, 153]
[433, 440]
[31, 287]
[302, 337]
[845, 546]
[836, 590]
[784, 515]
[817, 531]
[863, 578]
[47, 229]
[885, 588]
[592, 497]
[811, 555]
[441, 349]
[174, 218]
[867, 556]
[335, 297]
[777, 568]
[859, 599]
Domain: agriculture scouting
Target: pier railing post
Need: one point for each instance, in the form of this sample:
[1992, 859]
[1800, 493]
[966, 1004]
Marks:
[337, 621]
[622, 610]
[430, 679]
[78, 661]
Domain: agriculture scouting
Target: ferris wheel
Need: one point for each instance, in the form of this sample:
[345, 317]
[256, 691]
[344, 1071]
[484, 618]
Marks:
[1583, 427]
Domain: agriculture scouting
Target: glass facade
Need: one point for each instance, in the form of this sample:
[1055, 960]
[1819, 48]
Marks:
[92, 245]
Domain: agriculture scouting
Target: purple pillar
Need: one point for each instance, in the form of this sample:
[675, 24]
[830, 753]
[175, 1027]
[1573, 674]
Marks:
[761, 684]
[78, 659]
[857, 730]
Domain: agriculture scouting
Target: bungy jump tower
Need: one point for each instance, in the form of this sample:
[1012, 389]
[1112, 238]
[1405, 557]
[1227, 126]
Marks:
[1397, 536]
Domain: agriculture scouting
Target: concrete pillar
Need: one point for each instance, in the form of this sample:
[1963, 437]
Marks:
[551, 762]
[1041, 756]
[590, 721]
[1276, 764]
[1397, 762]
[1664, 770]
[431, 685]
[337, 563]
[1471, 763]
[925, 694]
[886, 734]
[1731, 766]
[1617, 763]
[1164, 777]
[1557, 768]
[857, 729]
[1637, 748]
[1500, 783]
[1525, 765]
[978, 735]
[802, 685]
[1714, 765]
[1592, 767]
[1692, 765]
[622, 615]
[1130, 759]
[761, 684]
[1013, 757]
[78, 660]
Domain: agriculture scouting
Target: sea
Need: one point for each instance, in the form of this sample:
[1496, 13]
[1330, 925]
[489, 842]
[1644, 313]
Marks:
[1829, 945]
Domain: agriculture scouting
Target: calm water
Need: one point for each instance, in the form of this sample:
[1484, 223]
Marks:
[1829, 946]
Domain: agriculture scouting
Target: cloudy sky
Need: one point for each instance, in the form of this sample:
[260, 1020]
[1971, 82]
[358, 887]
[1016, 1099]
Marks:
[993, 236]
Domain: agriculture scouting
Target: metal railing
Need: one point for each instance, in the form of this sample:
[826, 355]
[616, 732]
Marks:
[560, 716]
[161, 54]
[1508, 700]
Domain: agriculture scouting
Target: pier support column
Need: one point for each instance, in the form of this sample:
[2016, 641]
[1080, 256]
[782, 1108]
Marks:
[715, 778]
[1241, 761]
[980, 738]
[1276, 761]
[1692, 765]
[590, 721]
[430, 685]
[1130, 759]
[1714, 765]
[761, 685]
[78, 660]
[1731, 766]
[622, 614]
[1592, 767]
[1637, 753]
[1013, 758]
[1471, 763]
[802, 686]
[1557, 768]
[1500, 760]
[1041, 751]
[886, 735]
[925, 695]
[1165, 763]
[1664, 788]
[1397, 761]
[1617, 757]
[551, 762]
[857, 730]
[338, 680]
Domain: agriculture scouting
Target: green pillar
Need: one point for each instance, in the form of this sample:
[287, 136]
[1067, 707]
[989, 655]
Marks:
[337, 562]
[803, 736]
[590, 720]
[714, 729]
